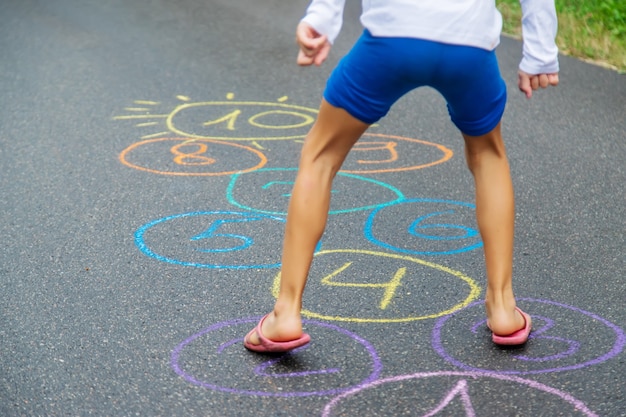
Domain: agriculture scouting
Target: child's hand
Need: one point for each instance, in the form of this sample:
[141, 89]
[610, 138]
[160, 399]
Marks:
[314, 47]
[528, 82]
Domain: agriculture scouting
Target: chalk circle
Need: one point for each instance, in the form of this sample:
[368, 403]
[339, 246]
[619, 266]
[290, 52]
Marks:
[423, 226]
[569, 343]
[355, 289]
[267, 190]
[222, 239]
[377, 153]
[243, 120]
[215, 359]
[502, 399]
[206, 157]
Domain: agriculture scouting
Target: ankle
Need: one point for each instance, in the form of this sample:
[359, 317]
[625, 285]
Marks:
[286, 309]
[501, 298]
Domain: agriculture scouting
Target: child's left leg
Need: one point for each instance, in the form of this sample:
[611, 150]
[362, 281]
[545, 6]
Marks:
[495, 214]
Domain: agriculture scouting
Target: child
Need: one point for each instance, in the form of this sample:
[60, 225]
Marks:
[445, 44]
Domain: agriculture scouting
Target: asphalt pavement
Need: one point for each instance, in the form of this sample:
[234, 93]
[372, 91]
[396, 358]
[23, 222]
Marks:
[147, 152]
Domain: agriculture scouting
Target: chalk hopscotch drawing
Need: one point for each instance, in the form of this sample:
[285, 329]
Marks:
[245, 140]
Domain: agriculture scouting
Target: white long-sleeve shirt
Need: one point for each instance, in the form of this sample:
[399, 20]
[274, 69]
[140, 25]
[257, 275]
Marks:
[475, 23]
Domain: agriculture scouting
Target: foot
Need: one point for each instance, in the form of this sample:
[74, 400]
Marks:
[272, 335]
[505, 322]
[516, 337]
[502, 315]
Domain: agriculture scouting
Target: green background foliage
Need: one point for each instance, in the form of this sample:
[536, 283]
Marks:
[588, 29]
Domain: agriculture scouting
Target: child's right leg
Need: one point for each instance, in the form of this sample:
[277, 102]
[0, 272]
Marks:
[487, 160]
[325, 148]
[359, 92]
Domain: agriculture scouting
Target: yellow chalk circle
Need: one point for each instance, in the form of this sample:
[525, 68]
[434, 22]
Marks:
[389, 289]
[291, 121]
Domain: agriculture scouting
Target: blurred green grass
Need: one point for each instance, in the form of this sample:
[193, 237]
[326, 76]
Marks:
[593, 30]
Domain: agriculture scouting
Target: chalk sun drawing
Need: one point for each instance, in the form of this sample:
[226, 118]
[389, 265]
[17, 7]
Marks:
[228, 119]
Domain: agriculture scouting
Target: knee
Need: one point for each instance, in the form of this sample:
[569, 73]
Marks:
[474, 155]
[472, 159]
[482, 149]
[313, 173]
[320, 166]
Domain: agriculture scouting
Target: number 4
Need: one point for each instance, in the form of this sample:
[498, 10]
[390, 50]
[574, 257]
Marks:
[390, 287]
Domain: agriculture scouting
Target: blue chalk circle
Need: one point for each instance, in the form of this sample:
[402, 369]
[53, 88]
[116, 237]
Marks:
[424, 227]
[213, 239]
[267, 190]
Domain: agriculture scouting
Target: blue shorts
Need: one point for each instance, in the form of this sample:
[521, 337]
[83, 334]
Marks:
[378, 71]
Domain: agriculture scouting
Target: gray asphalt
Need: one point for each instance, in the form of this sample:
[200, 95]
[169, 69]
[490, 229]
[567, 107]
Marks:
[143, 205]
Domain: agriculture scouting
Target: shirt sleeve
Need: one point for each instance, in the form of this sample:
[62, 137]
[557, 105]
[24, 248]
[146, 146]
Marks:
[326, 17]
[539, 27]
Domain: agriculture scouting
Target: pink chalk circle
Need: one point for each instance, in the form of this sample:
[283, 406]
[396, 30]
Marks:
[458, 395]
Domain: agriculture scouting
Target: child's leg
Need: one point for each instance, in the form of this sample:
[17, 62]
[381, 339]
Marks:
[325, 148]
[495, 212]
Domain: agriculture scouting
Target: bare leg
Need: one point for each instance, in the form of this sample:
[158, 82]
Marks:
[495, 212]
[325, 148]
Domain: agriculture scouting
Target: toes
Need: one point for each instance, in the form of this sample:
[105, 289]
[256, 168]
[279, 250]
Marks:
[253, 338]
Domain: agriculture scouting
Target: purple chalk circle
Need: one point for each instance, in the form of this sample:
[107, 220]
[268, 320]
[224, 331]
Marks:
[459, 395]
[574, 340]
[261, 369]
[215, 358]
[572, 345]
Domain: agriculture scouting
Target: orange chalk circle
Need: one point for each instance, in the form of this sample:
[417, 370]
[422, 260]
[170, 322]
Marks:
[385, 154]
[191, 157]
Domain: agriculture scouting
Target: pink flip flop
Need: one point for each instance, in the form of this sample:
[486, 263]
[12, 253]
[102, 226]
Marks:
[517, 338]
[269, 346]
